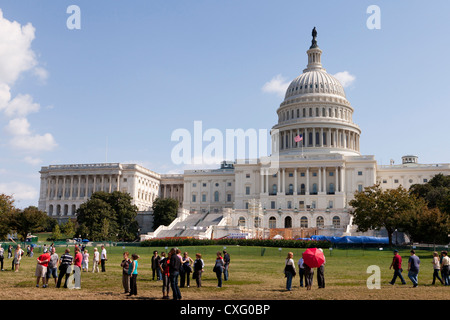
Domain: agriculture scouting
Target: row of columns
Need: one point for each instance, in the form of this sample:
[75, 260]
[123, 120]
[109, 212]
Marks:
[53, 190]
[337, 138]
[339, 175]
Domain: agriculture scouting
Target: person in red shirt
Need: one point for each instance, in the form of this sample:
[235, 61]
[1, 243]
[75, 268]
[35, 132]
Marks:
[41, 269]
[397, 265]
[78, 259]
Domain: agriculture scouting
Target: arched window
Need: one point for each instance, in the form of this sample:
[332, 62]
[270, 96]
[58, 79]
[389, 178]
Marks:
[288, 222]
[241, 222]
[50, 210]
[336, 222]
[304, 222]
[216, 196]
[272, 222]
[302, 188]
[58, 209]
[319, 222]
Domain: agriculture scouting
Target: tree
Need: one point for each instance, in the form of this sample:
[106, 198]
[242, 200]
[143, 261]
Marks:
[56, 232]
[7, 209]
[68, 228]
[427, 225]
[164, 211]
[374, 208]
[28, 220]
[108, 216]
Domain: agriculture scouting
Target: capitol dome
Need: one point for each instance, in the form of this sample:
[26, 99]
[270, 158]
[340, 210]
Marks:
[315, 116]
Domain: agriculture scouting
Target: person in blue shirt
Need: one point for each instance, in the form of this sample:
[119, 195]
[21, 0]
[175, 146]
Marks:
[133, 272]
[413, 268]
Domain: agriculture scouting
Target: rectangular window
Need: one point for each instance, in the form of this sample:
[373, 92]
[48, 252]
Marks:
[203, 197]
[301, 204]
[384, 181]
[360, 187]
[247, 190]
[289, 204]
[291, 175]
[246, 205]
[396, 181]
[314, 174]
[302, 174]
[359, 173]
[194, 198]
[272, 204]
[194, 185]
[425, 180]
[204, 184]
[228, 197]
[229, 184]
[247, 175]
[330, 204]
[331, 173]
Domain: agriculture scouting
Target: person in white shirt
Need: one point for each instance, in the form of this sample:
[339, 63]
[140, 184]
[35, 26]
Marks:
[103, 259]
[95, 261]
[289, 270]
[445, 268]
[85, 264]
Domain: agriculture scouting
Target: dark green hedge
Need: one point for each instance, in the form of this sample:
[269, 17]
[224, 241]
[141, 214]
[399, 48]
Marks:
[176, 242]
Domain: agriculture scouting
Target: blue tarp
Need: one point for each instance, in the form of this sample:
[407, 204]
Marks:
[352, 239]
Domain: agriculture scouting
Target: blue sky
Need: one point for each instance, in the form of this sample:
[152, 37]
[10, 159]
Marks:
[138, 70]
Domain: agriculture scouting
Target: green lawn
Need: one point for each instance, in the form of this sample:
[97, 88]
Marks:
[253, 276]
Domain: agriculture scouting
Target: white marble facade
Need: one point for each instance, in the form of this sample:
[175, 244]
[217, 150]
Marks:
[311, 185]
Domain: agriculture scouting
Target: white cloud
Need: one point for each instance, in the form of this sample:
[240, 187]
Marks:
[345, 78]
[21, 106]
[32, 161]
[24, 139]
[277, 85]
[20, 191]
[17, 57]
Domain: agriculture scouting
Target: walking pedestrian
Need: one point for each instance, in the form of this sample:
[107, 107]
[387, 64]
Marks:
[301, 271]
[199, 264]
[397, 265]
[436, 268]
[289, 270]
[174, 271]
[77, 267]
[103, 259]
[218, 269]
[95, 261]
[65, 262]
[125, 264]
[445, 268]
[133, 273]
[413, 268]
[226, 260]
[186, 270]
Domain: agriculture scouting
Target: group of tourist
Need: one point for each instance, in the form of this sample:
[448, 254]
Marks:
[169, 268]
[441, 264]
[306, 273]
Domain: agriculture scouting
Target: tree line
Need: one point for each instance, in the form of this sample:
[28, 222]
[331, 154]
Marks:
[422, 212]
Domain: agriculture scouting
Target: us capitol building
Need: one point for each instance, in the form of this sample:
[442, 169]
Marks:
[310, 187]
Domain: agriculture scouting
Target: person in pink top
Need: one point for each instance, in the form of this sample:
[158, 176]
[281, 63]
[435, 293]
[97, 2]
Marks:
[77, 265]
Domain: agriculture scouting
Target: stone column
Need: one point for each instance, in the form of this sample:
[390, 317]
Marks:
[267, 181]
[336, 187]
[342, 179]
[279, 181]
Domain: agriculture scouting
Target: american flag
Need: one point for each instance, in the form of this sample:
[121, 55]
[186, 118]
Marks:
[298, 138]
